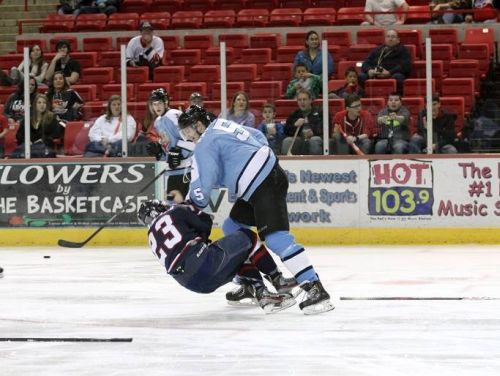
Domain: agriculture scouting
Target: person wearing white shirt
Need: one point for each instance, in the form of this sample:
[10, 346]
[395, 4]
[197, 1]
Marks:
[384, 6]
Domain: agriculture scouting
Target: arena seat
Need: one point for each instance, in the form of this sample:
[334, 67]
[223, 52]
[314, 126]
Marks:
[201, 5]
[212, 106]
[336, 4]
[350, 16]
[334, 105]
[204, 73]
[21, 43]
[242, 72]
[475, 35]
[186, 20]
[414, 105]
[137, 110]
[412, 36]
[200, 41]
[144, 90]
[109, 59]
[10, 140]
[380, 87]
[231, 88]
[360, 52]
[90, 22]
[445, 36]
[277, 72]
[416, 87]
[122, 40]
[5, 92]
[418, 70]
[76, 138]
[418, 14]
[58, 23]
[269, 90]
[466, 68]
[171, 73]
[87, 92]
[370, 36]
[259, 56]
[123, 21]
[183, 90]
[478, 51]
[135, 6]
[442, 52]
[262, 4]
[235, 5]
[93, 110]
[296, 39]
[456, 105]
[286, 54]
[97, 44]
[285, 17]
[73, 42]
[460, 86]
[221, 18]
[159, 20]
[135, 75]
[102, 75]
[302, 4]
[108, 90]
[212, 56]
[252, 18]
[284, 107]
[171, 6]
[318, 17]
[342, 66]
[236, 41]
[266, 40]
[335, 84]
[373, 105]
[10, 60]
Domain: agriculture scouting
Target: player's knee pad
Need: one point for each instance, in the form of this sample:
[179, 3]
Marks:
[282, 243]
[230, 225]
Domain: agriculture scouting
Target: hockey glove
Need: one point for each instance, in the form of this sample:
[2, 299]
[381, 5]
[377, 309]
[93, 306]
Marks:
[155, 149]
[174, 158]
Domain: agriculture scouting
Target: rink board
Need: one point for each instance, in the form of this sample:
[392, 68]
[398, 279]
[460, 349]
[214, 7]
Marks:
[422, 200]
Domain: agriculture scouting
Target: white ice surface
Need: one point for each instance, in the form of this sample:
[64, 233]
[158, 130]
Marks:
[123, 292]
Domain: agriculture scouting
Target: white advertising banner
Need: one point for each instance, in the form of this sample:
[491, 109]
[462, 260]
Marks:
[440, 192]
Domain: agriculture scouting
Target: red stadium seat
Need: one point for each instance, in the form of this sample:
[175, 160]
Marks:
[418, 70]
[414, 105]
[334, 105]
[86, 59]
[144, 90]
[302, 4]
[21, 43]
[231, 88]
[480, 35]
[103, 75]
[445, 36]
[242, 72]
[97, 44]
[201, 42]
[201, 5]
[76, 138]
[373, 105]
[285, 17]
[350, 16]
[318, 17]
[456, 105]
[370, 36]
[170, 43]
[296, 39]
[236, 41]
[87, 92]
[159, 20]
[115, 89]
[57, 23]
[462, 68]
[122, 40]
[412, 36]
[286, 54]
[185, 57]
[123, 21]
[5, 92]
[335, 84]
[269, 90]
[463, 87]
[222, 18]
[480, 52]
[336, 4]
[109, 59]
[416, 87]
[186, 20]
[171, 6]
[252, 18]
[360, 52]
[418, 14]
[262, 4]
[137, 110]
[93, 110]
[73, 42]
[135, 6]
[235, 5]
[277, 72]
[486, 13]
[266, 40]
[343, 65]
[90, 22]
[442, 52]
[380, 87]
[212, 56]
[204, 73]
[285, 107]
[259, 56]
[183, 90]
[212, 106]
[10, 60]
[170, 73]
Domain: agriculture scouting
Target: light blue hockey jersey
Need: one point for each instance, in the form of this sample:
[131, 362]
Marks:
[232, 156]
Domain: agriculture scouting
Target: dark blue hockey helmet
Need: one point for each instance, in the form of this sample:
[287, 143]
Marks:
[159, 95]
[192, 115]
[151, 209]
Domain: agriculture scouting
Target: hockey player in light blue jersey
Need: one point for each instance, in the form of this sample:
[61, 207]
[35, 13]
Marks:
[239, 159]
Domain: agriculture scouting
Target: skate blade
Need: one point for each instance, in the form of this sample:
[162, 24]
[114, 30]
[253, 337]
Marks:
[243, 303]
[272, 308]
[318, 308]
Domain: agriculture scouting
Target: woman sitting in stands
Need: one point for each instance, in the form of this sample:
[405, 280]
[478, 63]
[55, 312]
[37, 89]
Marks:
[239, 111]
[311, 55]
[65, 102]
[45, 131]
[106, 133]
[38, 67]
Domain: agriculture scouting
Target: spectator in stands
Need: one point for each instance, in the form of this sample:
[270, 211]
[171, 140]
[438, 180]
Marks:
[304, 80]
[352, 126]
[239, 111]
[67, 6]
[385, 17]
[393, 134]
[351, 85]
[4, 128]
[106, 133]
[304, 128]
[65, 102]
[63, 62]
[38, 68]
[483, 10]
[14, 106]
[273, 130]
[452, 5]
[390, 60]
[443, 130]
[311, 56]
[197, 99]
[145, 49]
[45, 129]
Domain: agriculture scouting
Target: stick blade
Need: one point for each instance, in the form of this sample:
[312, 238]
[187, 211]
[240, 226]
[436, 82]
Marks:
[68, 244]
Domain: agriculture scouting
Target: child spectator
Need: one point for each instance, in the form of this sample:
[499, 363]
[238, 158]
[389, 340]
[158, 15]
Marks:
[274, 131]
[393, 127]
[65, 102]
[106, 133]
[351, 85]
[352, 126]
[239, 111]
[45, 129]
[304, 80]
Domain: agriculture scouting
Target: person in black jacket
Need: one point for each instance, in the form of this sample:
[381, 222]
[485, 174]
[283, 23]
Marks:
[444, 135]
[307, 124]
[390, 60]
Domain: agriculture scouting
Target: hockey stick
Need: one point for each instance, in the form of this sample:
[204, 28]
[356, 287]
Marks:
[354, 147]
[289, 152]
[70, 244]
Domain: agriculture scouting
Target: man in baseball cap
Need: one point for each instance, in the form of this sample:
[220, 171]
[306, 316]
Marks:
[196, 98]
[145, 49]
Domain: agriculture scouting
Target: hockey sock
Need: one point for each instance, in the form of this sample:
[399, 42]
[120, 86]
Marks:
[293, 255]
[230, 225]
[260, 257]
[250, 275]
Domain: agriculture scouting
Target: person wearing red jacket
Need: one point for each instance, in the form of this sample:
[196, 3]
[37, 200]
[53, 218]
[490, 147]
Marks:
[352, 126]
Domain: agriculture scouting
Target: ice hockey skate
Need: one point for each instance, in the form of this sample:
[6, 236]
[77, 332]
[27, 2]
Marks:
[271, 302]
[317, 300]
[241, 296]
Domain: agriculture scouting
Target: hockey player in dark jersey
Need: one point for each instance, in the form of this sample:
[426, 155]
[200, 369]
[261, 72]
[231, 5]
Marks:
[179, 236]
